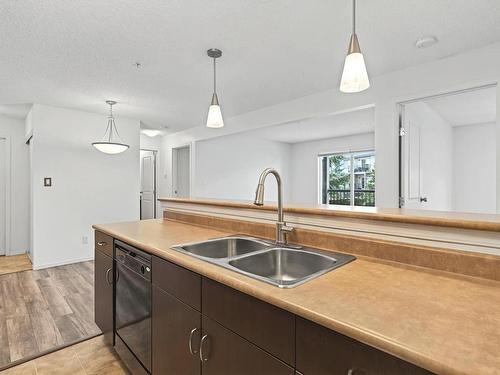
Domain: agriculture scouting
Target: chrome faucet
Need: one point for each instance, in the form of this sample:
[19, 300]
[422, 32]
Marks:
[281, 228]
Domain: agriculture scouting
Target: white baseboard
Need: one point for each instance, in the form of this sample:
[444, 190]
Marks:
[64, 262]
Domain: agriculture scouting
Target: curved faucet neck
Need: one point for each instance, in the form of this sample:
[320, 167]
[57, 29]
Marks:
[259, 197]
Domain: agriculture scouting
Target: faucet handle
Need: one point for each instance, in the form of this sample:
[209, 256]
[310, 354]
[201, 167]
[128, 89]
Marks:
[286, 228]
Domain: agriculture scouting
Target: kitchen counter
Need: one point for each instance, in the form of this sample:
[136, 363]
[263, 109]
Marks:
[463, 220]
[439, 321]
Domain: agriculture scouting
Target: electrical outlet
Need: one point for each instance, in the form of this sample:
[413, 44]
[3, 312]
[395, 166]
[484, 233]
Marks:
[85, 240]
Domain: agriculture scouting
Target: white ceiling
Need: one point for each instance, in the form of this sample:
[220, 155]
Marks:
[79, 53]
[340, 125]
[467, 108]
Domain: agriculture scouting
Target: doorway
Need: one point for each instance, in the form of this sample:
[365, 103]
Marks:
[148, 184]
[448, 151]
[181, 170]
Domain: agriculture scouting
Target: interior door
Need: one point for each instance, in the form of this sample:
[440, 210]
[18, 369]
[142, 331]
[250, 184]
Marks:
[412, 171]
[3, 216]
[181, 172]
[148, 184]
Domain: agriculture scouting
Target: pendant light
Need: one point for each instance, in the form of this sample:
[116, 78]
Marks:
[354, 76]
[111, 143]
[214, 118]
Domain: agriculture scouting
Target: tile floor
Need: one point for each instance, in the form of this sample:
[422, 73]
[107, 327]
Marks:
[14, 263]
[91, 357]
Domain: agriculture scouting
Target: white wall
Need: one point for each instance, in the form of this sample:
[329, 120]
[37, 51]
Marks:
[474, 168]
[436, 157]
[469, 69]
[18, 223]
[305, 162]
[88, 186]
[154, 143]
[229, 167]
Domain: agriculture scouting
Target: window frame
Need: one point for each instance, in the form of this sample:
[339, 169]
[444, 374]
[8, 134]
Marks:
[352, 154]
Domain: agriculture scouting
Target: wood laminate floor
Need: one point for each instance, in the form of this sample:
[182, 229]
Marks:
[45, 309]
[14, 263]
[91, 357]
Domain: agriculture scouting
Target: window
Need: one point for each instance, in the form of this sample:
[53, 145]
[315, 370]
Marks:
[348, 179]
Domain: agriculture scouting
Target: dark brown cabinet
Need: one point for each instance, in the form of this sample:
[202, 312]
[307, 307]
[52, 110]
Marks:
[103, 291]
[181, 283]
[321, 351]
[176, 336]
[202, 327]
[226, 353]
[104, 243]
[265, 325]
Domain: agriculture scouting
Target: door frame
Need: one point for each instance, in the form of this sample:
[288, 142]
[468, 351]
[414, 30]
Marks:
[189, 145]
[7, 198]
[401, 128]
[155, 194]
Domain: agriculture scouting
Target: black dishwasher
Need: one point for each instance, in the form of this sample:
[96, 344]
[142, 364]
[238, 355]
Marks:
[133, 301]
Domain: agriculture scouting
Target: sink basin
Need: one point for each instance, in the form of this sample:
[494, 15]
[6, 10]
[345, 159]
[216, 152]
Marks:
[285, 267]
[227, 247]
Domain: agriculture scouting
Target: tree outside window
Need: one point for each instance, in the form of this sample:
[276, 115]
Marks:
[348, 179]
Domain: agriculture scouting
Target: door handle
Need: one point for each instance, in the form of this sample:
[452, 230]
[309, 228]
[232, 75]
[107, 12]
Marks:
[191, 335]
[107, 276]
[102, 243]
[202, 355]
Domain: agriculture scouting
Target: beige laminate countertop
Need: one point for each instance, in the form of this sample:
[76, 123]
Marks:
[463, 220]
[438, 321]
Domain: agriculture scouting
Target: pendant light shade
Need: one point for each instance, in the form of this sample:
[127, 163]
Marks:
[111, 143]
[214, 118]
[354, 76]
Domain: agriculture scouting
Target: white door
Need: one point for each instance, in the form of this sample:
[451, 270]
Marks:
[181, 171]
[3, 206]
[412, 172]
[148, 184]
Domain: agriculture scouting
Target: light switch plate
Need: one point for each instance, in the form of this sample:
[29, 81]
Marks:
[47, 181]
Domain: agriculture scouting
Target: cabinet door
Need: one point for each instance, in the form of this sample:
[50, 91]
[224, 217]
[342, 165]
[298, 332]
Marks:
[321, 351]
[261, 323]
[226, 353]
[175, 344]
[103, 292]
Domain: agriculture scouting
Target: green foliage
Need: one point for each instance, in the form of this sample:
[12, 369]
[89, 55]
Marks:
[338, 172]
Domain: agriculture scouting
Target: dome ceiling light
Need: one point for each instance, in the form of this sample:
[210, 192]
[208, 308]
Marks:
[111, 143]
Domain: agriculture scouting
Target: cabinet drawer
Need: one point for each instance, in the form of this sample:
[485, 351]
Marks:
[179, 282]
[226, 353]
[104, 243]
[265, 325]
[321, 351]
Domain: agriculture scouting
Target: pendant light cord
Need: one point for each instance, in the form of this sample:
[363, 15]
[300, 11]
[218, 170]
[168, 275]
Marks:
[354, 16]
[215, 75]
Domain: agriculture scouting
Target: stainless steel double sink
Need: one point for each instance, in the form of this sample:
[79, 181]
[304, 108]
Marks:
[285, 267]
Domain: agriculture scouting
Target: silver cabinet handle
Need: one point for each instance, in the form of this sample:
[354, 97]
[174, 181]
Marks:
[354, 371]
[102, 243]
[191, 335]
[202, 357]
[107, 276]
